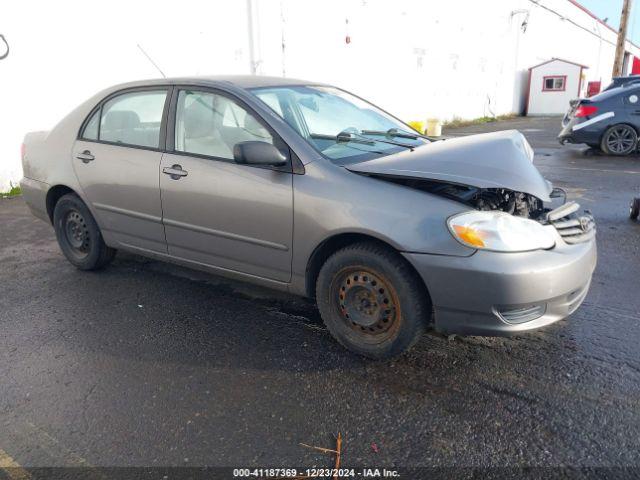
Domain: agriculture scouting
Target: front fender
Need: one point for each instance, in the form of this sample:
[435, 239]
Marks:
[330, 201]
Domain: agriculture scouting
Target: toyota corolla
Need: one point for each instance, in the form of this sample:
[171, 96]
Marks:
[307, 188]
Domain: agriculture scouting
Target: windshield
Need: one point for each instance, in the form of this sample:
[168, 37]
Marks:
[341, 126]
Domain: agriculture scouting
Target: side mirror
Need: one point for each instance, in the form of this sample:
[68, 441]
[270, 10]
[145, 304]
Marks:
[258, 153]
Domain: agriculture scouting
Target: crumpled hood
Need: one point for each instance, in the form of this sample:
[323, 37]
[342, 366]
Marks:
[489, 160]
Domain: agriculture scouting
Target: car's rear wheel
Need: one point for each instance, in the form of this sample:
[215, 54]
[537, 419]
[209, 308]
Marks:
[372, 301]
[619, 140]
[78, 234]
[634, 208]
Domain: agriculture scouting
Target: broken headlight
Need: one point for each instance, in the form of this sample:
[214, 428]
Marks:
[499, 232]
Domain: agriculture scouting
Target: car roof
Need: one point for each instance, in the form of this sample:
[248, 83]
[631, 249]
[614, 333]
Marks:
[240, 81]
[628, 78]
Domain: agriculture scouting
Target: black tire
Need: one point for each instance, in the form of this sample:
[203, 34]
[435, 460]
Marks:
[372, 301]
[619, 140]
[634, 208]
[78, 234]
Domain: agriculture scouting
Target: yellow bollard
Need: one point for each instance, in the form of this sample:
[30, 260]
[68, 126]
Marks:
[417, 125]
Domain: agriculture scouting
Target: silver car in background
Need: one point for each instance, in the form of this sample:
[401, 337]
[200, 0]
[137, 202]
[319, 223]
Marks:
[309, 189]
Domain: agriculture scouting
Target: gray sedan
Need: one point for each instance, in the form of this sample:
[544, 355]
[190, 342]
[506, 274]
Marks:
[310, 189]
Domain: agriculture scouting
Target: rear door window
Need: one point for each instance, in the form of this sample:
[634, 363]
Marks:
[132, 118]
[91, 128]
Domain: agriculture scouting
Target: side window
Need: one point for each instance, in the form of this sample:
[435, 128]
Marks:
[211, 124]
[133, 118]
[554, 83]
[91, 128]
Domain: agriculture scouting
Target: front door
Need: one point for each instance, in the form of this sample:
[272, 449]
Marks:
[218, 213]
[117, 161]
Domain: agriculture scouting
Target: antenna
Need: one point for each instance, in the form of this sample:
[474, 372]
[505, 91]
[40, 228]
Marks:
[151, 60]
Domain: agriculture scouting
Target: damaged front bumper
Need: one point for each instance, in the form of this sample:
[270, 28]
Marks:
[491, 293]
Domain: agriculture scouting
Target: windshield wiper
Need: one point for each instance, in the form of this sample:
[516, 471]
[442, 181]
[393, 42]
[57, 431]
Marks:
[390, 142]
[343, 137]
[395, 132]
[349, 135]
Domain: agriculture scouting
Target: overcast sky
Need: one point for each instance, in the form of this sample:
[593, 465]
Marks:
[612, 9]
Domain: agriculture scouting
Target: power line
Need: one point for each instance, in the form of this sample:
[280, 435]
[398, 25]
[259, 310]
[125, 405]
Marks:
[562, 17]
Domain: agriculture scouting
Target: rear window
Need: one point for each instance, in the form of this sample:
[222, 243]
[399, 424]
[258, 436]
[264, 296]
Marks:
[133, 118]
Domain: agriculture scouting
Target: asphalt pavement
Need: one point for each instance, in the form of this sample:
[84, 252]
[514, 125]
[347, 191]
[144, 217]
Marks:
[150, 364]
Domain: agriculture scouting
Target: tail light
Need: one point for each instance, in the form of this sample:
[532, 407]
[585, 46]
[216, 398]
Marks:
[586, 111]
[23, 151]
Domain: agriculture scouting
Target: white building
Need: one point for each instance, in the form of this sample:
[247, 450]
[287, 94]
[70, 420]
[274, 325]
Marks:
[416, 58]
[552, 84]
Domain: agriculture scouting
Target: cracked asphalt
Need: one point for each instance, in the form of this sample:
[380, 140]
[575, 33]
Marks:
[149, 364]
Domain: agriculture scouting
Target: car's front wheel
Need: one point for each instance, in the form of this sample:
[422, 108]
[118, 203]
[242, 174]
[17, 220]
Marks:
[78, 234]
[372, 301]
[619, 140]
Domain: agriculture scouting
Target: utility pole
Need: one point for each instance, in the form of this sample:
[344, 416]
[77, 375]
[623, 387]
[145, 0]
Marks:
[622, 37]
[252, 52]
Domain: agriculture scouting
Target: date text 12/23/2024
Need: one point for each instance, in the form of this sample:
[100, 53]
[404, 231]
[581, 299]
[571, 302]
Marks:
[315, 473]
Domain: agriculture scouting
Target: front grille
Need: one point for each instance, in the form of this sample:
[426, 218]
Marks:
[572, 226]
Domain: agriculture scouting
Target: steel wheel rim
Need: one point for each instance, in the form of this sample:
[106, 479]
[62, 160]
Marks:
[620, 140]
[76, 233]
[366, 302]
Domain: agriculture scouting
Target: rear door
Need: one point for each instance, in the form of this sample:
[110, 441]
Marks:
[218, 213]
[117, 160]
[631, 99]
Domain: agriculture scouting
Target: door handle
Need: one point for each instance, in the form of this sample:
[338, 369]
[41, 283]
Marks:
[175, 172]
[85, 156]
